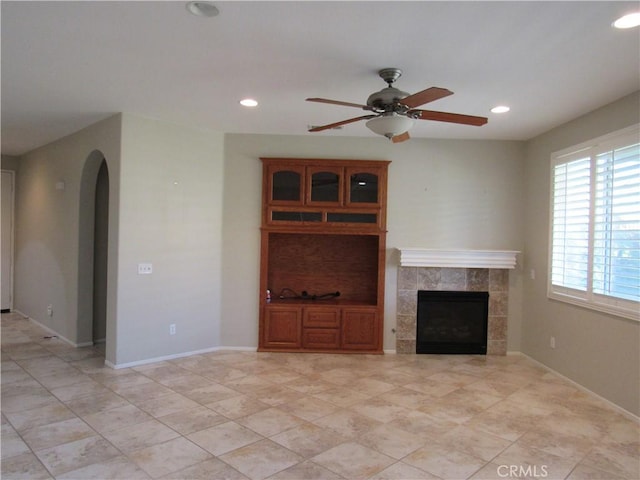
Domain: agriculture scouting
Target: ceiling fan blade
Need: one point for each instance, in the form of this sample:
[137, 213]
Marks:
[337, 102]
[425, 96]
[401, 138]
[343, 122]
[450, 117]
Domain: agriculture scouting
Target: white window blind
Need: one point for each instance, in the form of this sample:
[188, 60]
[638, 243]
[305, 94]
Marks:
[570, 265]
[595, 229]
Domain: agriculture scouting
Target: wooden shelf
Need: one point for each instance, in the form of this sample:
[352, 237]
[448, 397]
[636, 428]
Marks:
[323, 231]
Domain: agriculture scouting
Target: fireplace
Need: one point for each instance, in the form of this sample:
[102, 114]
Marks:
[453, 270]
[452, 322]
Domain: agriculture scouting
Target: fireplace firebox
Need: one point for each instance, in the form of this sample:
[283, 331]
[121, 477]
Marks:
[452, 322]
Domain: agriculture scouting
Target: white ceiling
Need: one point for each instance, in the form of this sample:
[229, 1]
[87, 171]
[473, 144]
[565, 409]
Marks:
[66, 65]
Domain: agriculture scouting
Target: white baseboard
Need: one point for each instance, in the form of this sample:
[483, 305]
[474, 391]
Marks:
[174, 356]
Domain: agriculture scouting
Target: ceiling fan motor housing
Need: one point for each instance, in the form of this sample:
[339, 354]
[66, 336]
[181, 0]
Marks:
[386, 98]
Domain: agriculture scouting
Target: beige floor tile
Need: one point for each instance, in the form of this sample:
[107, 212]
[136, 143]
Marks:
[347, 423]
[275, 395]
[224, 438]
[307, 471]
[23, 467]
[309, 385]
[12, 444]
[392, 441]
[400, 470]
[270, 421]
[74, 455]
[564, 445]
[140, 435]
[261, 459]
[193, 420]
[308, 408]
[211, 393]
[142, 392]
[308, 439]
[166, 404]
[380, 410]
[168, 457]
[445, 462]
[341, 397]
[431, 387]
[407, 398]
[518, 454]
[237, 407]
[621, 459]
[208, 470]
[248, 384]
[26, 419]
[353, 461]
[95, 403]
[57, 433]
[116, 418]
[475, 442]
[582, 472]
[81, 389]
[117, 468]
[28, 401]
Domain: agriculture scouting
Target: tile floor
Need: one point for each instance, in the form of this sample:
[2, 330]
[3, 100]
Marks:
[247, 415]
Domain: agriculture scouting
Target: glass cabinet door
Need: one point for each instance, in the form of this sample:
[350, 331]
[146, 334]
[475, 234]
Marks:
[325, 185]
[363, 187]
[286, 185]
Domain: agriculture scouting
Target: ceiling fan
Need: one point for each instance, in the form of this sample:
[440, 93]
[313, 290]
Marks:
[394, 111]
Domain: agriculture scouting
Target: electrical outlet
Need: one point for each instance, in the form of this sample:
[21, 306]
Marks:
[50, 310]
[552, 342]
[172, 329]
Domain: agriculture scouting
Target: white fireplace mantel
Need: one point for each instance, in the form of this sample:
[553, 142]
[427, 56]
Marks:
[424, 257]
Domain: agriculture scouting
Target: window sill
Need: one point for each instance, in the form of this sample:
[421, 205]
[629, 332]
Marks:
[624, 309]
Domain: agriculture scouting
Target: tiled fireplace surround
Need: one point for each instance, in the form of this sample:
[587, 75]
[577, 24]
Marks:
[492, 277]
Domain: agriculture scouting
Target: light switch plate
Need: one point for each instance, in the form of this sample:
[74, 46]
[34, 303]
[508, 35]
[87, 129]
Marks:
[145, 269]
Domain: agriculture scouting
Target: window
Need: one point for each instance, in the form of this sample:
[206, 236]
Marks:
[595, 234]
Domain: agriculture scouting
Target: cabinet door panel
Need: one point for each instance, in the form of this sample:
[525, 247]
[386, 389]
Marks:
[282, 327]
[359, 329]
[364, 186]
[324, 185]
[285, 184]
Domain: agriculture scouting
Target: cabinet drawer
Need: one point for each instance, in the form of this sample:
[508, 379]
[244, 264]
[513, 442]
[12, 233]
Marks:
[321, 338]
[321, 318]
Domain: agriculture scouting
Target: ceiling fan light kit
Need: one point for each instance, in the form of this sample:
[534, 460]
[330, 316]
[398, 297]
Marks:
[394, 111]
[390, 124]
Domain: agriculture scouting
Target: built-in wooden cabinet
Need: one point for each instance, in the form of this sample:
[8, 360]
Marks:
[322, 255]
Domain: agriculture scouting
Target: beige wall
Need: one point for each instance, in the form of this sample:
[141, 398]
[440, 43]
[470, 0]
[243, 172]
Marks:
[50, 229]
[599, 351]
[442, 193]
[165, 208]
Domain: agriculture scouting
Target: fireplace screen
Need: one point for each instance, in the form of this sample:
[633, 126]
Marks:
[452, 322]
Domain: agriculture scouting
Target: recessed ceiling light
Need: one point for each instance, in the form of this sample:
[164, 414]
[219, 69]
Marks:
[248, 102]
[628, 21]
[203, 9]
[500, 109]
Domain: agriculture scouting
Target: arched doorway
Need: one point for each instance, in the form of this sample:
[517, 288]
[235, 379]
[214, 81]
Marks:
[100, 256]
[93, 252]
